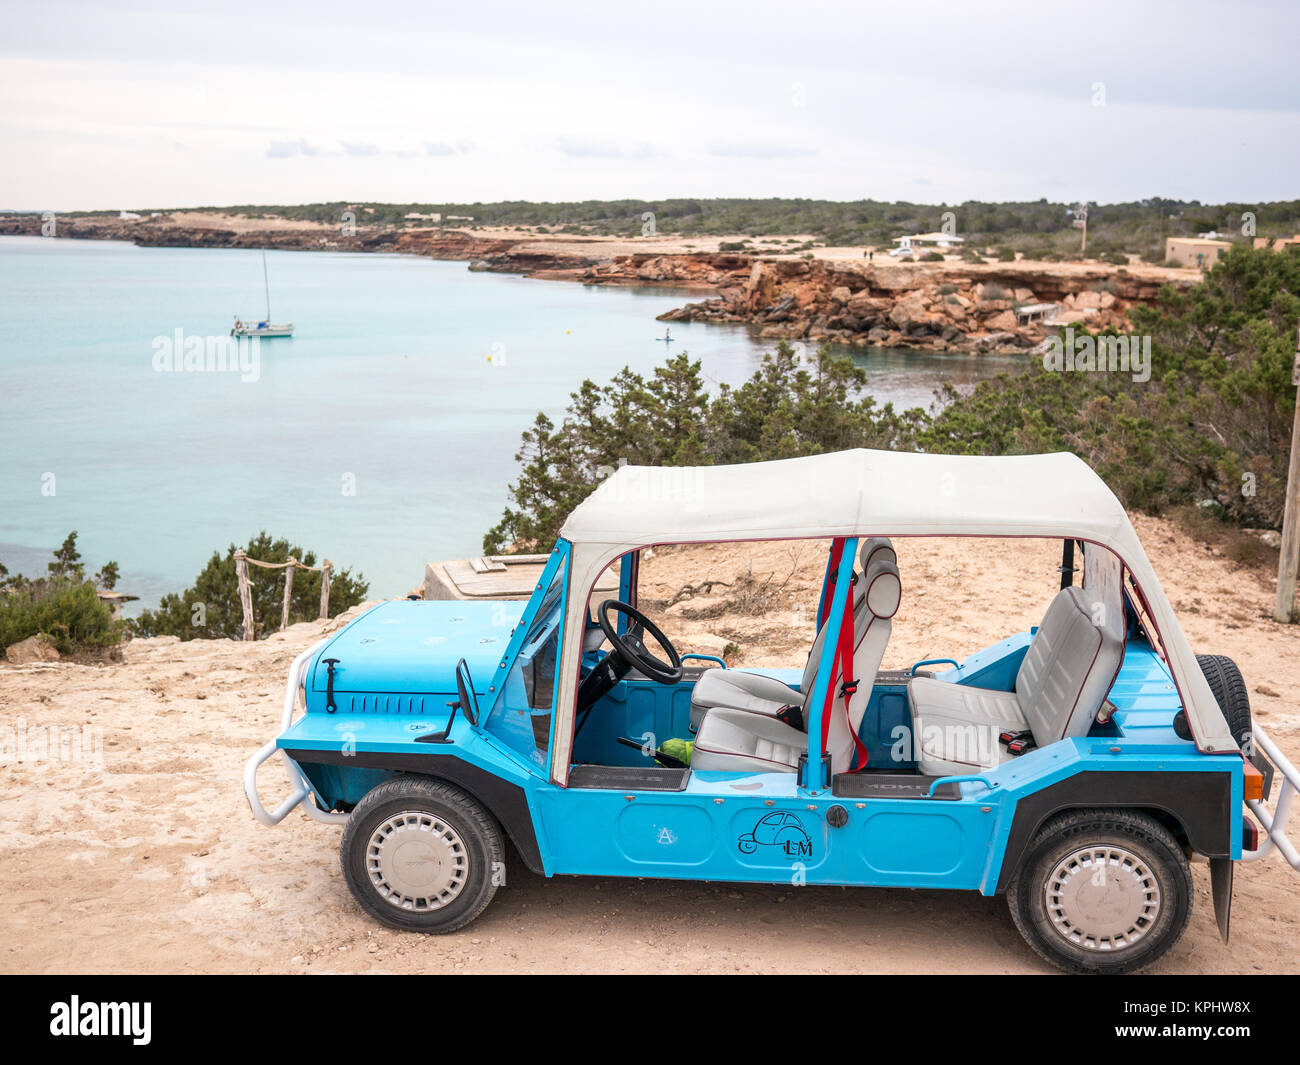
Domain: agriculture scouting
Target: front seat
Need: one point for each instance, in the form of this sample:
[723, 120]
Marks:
[1066, 674]
[759, 694]
[744, 741]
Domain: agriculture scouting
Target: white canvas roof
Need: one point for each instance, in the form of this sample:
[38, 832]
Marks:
[846, 493]
[862, 493]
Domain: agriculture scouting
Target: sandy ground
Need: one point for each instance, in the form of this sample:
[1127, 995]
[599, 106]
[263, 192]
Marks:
[146, 859]
[240, 223]
[606, 247]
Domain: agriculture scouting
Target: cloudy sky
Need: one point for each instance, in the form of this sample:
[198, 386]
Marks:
[106, 104]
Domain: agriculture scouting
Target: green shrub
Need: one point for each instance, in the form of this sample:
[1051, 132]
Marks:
[789, 407]
[210, 608]
[66, 609]
[1212, 423]
[62, 605]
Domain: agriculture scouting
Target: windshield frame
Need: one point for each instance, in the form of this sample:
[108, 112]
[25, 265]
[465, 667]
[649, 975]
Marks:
[543, 618]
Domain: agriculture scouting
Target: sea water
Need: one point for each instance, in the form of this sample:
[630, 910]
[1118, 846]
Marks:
[381, 435]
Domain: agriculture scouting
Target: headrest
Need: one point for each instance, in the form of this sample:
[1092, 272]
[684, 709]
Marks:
[876, 547]
[884, 589]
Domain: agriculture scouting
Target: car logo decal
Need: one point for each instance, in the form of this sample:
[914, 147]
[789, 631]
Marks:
[779, 831]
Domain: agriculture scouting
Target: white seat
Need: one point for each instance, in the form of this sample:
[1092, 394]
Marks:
[1066, 674]
[738, 740]
[739, 689]
[958, 729]
[741, 740]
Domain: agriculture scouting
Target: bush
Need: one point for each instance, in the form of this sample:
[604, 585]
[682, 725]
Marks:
[62, 605]
[789, 407]
[68, 611]
[1006, 255]
[210, 609]
[1212, 423]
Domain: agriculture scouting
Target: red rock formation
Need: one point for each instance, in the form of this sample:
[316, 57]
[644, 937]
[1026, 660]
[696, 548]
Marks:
[939, 306]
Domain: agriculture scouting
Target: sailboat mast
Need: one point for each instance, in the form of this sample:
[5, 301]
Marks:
[267, 282]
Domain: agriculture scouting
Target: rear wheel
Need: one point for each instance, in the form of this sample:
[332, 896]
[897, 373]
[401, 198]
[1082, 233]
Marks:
[421, 855]
[1102, 891]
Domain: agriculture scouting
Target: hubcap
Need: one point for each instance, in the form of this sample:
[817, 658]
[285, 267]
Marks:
[417, 862]
[1102, 898]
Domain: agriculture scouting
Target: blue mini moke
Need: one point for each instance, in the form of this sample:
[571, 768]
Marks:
[1074, 768]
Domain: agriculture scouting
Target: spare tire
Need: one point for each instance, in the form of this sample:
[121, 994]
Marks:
[1230, 692]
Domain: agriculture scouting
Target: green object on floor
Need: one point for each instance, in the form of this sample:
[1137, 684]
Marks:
[680, 749]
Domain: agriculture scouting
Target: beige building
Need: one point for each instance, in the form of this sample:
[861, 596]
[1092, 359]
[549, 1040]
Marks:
[1276, 243]
[1195, 251]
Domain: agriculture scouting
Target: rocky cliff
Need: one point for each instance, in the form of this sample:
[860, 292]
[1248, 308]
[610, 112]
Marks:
[940, 306]
[946, 306]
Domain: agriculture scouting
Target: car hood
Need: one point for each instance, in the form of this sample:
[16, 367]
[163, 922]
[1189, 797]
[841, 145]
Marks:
[413, 646]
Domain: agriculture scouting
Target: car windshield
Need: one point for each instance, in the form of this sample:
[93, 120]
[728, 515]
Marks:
[522, 715]
[547, 609]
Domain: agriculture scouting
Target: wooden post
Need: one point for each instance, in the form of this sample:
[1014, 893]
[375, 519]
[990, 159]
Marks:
[245, 593]
[1289, 557]
[288, 592]
[325, 569]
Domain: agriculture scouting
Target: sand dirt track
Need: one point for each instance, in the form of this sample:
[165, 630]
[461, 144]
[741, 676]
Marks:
[154, 864]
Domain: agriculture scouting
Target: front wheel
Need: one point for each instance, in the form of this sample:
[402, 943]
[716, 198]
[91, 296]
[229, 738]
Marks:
[421, 856]
[1102, 891]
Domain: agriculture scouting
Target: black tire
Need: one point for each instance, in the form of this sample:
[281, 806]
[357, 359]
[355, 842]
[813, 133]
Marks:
[1159, 861]
[457, 854]
[1230, 692]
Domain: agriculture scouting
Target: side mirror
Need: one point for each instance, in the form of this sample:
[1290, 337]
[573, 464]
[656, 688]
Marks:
[465, 701]
[465, 692]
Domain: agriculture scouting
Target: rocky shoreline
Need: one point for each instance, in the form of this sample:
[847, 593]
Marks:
[939, 306]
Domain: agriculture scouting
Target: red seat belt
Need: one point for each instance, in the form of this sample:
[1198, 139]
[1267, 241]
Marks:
[848, 684]
[832, 568]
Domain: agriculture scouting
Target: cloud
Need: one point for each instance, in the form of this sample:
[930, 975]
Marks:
[598, 148]
[440, 148]
[288, 147]
[758, 150]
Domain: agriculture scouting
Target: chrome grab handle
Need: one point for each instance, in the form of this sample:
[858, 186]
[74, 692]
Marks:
[1274, 823]
[302, 788]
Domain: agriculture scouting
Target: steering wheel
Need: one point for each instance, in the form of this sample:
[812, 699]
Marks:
[631, 647]
[630, 652]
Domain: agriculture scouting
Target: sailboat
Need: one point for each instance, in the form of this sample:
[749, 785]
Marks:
[265, 327]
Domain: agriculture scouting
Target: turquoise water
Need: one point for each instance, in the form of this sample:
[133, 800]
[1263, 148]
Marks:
[381, 435]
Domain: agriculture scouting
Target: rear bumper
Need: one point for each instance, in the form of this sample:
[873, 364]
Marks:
[1274, 822]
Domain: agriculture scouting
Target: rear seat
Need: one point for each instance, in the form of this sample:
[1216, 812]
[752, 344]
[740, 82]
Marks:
[738, 689]
[1063, 681]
